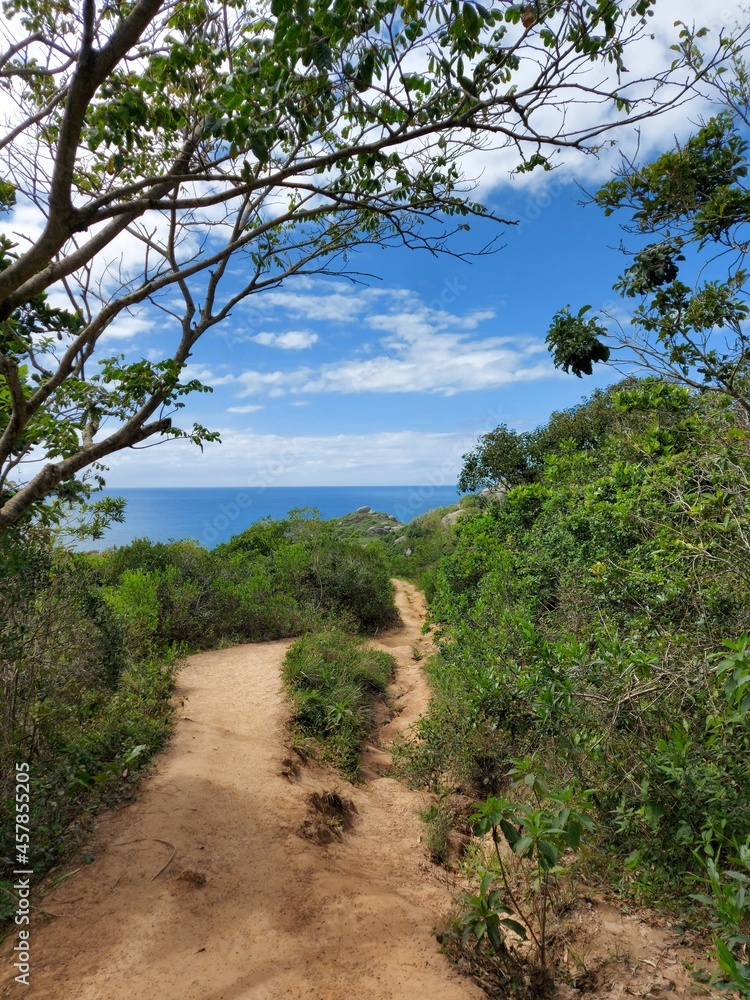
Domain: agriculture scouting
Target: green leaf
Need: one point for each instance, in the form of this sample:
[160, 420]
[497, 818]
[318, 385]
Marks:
[548, 852]
[510, 832]
[514, 926]
[523, 845]
[471, 20]
[653, 812]
[573, 835]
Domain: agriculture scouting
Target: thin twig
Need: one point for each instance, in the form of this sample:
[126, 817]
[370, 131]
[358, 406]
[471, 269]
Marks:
[168, 863]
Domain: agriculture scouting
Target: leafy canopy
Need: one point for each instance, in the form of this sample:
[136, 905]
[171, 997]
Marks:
[693, 205]
[155, 143]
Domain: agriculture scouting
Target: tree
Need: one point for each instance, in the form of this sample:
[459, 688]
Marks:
[693, 205]
[504, 458]
[282, 137]
[501, 459]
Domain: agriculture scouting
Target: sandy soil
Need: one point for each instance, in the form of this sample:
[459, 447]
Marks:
[203, 888]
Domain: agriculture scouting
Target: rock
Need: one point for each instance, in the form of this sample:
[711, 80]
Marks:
[400, 540]
[450, 519]
[497, 494]
[379, 530]
[408, 552]
[363, 510]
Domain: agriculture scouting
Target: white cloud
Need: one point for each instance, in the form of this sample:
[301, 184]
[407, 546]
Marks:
[249, 460]
[126, 327]
[205, 374]
[292, 340]
[421, 349]
[252, 408]
[340, 303]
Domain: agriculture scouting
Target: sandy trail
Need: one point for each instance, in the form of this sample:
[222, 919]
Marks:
[202, 889]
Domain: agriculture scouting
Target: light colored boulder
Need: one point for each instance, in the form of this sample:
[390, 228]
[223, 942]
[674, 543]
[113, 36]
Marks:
[497, 494]
[452, 517]
[363, 510]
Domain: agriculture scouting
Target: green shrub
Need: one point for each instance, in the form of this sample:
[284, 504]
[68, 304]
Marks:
[331, 678]
[438, 819]
[276, 579]
[580, 621]
[135, 601]
[428, 540]
[74, 706]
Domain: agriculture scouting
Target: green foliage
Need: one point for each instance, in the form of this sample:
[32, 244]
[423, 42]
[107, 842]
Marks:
[427, 539]
[505, 458]
[358, 525]
[538, 830]
[734, 670]
[438, 819]
[484, 915]
[74, 705]
[275, 579]
[729, 903]
[688, 200]
[596, 619]
[331, 678]
[575, 342]
[135, 602]
[692, 186]
[501, 458]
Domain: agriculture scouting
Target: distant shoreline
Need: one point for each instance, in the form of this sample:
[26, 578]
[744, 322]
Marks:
[213, 514]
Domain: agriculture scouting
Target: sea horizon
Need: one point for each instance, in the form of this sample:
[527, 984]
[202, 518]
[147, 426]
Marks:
[213, 514]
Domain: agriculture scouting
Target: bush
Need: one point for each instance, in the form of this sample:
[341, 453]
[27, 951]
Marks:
[276, 579]
[74, 707]
[331, 679]
[581, 623]
[429, 541]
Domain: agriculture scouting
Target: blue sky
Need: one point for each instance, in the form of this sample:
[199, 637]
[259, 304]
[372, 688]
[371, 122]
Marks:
[328, 382]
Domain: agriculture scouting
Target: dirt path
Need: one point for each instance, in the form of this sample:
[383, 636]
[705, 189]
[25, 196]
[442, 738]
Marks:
[203, 889]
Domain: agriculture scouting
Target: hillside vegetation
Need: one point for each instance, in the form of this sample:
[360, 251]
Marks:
[591, 685]
[88, 645]
[594, 658]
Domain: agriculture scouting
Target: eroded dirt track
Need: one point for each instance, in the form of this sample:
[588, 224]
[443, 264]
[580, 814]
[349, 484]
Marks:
[203, 889]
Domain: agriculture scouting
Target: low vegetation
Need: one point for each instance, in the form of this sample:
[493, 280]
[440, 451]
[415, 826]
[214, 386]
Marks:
[277, 578]
[88, 645]
[75, 705]
[332, 679]
[593, 628]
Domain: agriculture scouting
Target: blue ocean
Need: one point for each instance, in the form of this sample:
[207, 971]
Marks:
[213, 515]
